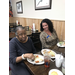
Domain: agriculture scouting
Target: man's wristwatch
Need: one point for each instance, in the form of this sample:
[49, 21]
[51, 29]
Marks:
[23, 57]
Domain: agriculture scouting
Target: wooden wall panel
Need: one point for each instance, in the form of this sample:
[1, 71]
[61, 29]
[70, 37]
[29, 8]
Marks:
[59, 26]
[39, 24]
[11, 20]
[29, 22]
[22, 22]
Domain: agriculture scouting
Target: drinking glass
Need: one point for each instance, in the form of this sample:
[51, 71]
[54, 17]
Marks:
[46, 60]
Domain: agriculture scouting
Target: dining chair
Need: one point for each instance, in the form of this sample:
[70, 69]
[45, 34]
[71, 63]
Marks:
[9, 66]
[36, 40]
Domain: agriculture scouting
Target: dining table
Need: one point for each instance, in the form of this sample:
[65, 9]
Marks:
[41, 69]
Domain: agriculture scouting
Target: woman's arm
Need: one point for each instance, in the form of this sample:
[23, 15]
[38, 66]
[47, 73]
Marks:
[13, 58]
[27, 55]
[56, 35]
[19, 59]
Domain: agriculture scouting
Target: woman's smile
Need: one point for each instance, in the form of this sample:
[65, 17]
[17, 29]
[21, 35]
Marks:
[45, 26]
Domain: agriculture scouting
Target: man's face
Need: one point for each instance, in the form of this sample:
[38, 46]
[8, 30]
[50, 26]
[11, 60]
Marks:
[21, 35]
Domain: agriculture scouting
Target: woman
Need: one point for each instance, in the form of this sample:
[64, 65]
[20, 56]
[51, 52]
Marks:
[20, 48]
[48, 36]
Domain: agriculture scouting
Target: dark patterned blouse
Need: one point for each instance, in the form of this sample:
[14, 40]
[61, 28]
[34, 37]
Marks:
[47, 40]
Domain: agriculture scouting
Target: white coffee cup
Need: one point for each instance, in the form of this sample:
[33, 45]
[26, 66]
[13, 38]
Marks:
[58, 60]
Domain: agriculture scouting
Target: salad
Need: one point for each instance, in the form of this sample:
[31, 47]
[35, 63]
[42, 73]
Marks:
[62, 43]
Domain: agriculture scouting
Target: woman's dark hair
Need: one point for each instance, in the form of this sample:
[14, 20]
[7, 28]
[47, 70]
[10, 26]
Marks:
[9, 2]
[50, 25]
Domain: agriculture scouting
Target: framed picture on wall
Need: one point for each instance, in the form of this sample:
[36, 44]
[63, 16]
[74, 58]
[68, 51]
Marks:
[19, 7]
[42, 4]
[10, 9]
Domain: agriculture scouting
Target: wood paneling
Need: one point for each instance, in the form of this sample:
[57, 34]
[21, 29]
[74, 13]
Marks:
[59, 26]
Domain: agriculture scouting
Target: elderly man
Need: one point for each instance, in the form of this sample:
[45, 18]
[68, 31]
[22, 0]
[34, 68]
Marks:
[20, 48]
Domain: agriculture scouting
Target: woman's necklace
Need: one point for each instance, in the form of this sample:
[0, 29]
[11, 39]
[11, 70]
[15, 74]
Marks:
[49, 34]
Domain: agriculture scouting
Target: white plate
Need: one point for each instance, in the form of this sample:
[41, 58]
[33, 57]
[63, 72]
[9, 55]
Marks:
[60, 45]
[56, 70]
[42, 51]
[39, 63]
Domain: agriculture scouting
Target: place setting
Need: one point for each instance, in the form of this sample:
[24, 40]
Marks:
[61, 44]
[59, 61]
[55, 72]
[39, 59]
[50, 53]
[46, 58]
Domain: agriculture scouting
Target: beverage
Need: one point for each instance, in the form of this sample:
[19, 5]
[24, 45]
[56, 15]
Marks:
[58, 60]
[47, 61]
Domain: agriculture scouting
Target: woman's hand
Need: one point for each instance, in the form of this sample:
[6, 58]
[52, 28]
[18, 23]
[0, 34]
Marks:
[29, 55]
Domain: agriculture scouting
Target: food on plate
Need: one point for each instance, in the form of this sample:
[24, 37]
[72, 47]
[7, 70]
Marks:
[44, 51]
[38, 59]
[50, 52]
[62, 43]
[36, 56]
[54, 73]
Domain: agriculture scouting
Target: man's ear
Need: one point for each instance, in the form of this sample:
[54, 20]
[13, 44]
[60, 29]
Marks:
[16, 34]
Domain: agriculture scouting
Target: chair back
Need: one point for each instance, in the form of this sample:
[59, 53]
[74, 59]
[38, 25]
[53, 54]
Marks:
[9, 67]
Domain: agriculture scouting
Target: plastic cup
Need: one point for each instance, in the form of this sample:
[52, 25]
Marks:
[47, 61]
[58, 60]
